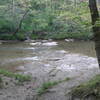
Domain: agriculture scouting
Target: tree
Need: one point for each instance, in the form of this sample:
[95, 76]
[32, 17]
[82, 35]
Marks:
[20, 23]
[96, 28]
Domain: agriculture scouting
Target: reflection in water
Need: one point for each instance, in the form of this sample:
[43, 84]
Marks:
[81, 47]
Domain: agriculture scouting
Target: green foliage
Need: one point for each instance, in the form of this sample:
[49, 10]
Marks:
[34, 36]
[46, 18]
[59, 36]
[88, 89]
[1, 81]
[47, 85]
[19, 77]
[18, 36]
[7, 37]
[97, 23]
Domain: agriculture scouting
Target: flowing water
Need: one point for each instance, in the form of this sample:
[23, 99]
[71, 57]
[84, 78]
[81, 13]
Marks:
[46, 60]
[19, 56]
[43, 58]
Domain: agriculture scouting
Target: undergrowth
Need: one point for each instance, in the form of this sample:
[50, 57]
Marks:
[90, 88]
[19, 77]
[47, 85]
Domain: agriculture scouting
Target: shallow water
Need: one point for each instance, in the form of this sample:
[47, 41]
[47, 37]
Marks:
[43, 57]
[49, 61]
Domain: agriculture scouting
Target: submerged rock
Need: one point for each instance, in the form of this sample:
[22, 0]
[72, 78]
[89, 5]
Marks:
[62, 51]
[44, 41]
[69, 40]
[36, 43]
[31, 58]
[50, 44]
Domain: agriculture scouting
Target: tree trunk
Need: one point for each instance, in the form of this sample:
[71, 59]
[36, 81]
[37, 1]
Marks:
[20, 23]
[96, 29]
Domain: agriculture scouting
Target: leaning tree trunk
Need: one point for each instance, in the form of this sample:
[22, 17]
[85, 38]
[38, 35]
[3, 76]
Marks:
[20, 23]
[96, 29]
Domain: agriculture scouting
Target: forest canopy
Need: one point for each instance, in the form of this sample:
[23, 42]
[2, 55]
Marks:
[56, 19]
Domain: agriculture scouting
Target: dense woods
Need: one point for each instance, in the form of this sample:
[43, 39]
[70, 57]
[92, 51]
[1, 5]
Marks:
[56, 19]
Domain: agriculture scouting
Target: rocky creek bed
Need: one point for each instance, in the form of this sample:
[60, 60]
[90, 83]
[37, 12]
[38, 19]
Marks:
[65, 64]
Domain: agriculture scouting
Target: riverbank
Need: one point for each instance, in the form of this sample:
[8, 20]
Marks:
[62, 36]
[89, 90]
[12, 89]
[12, 37]
[54, 36]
